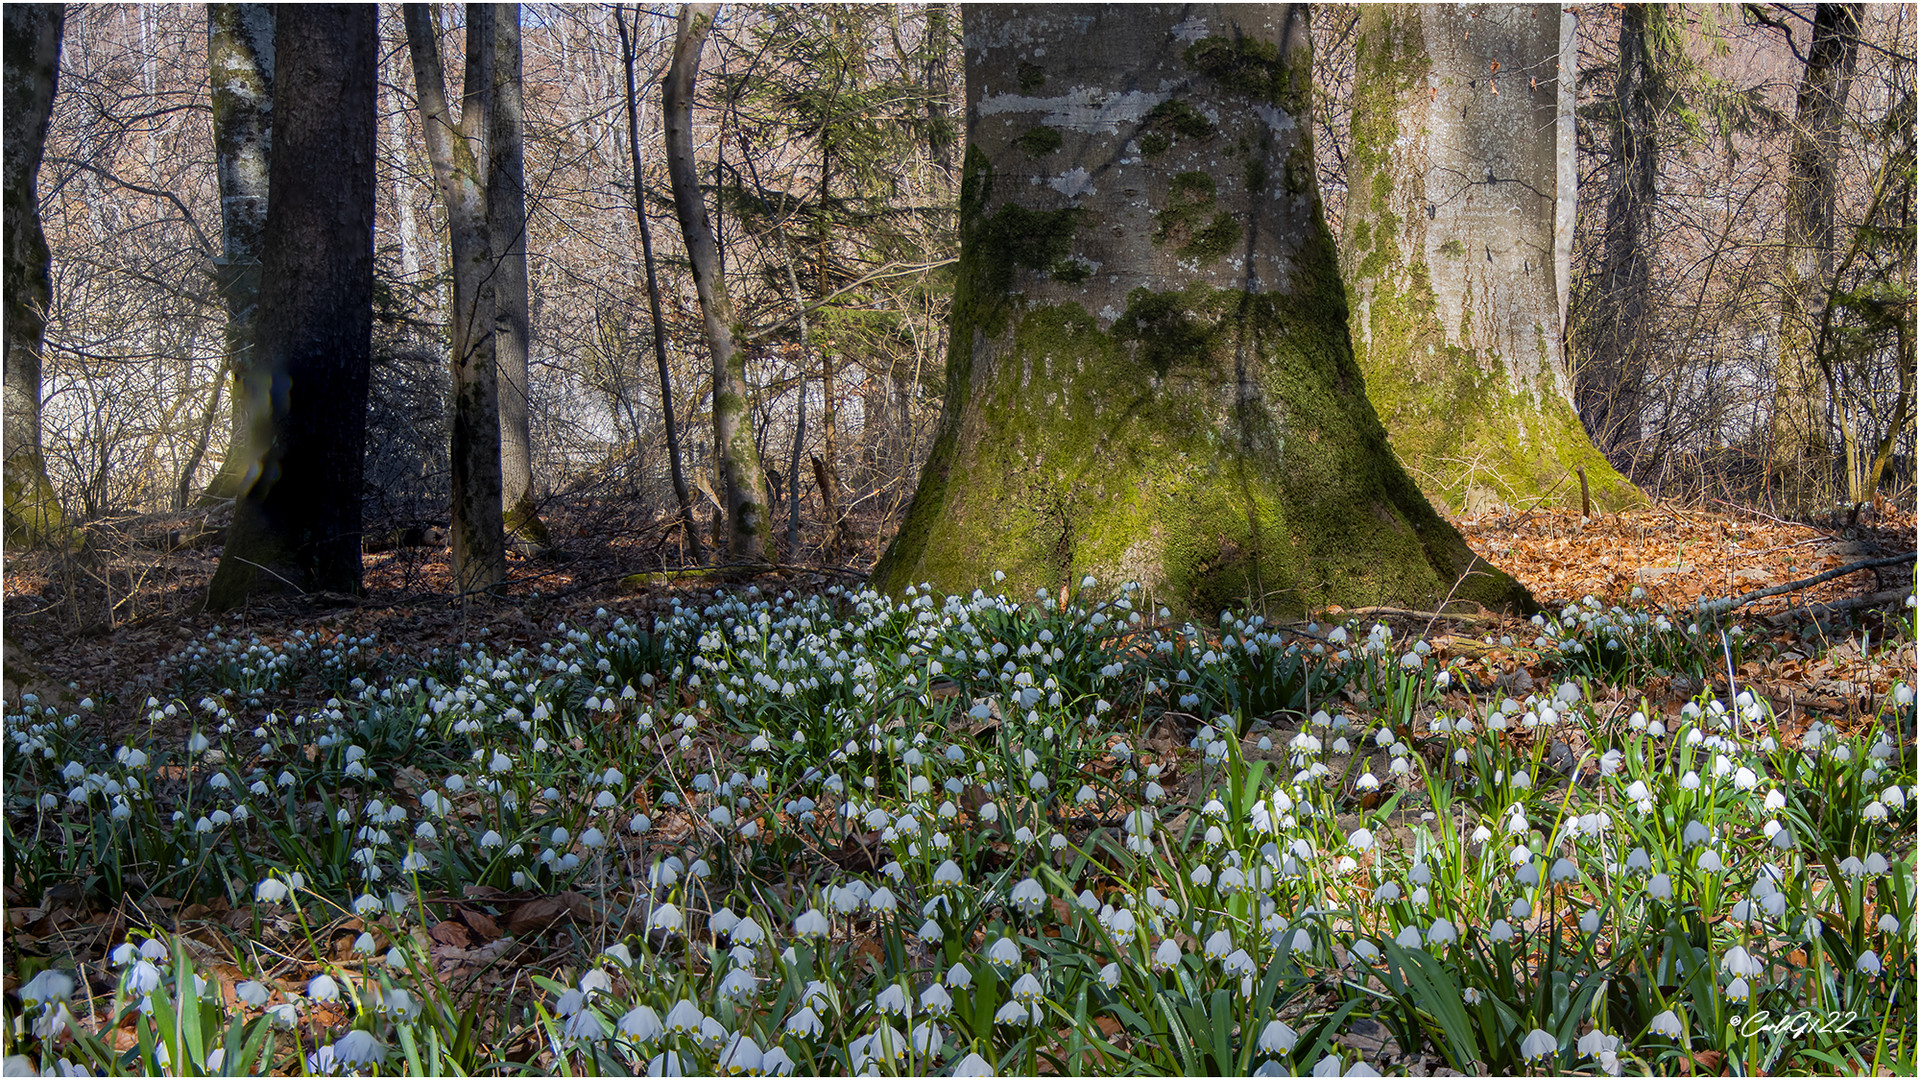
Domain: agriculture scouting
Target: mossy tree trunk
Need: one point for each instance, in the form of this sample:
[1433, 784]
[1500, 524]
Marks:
[1149, 375]
[1453, 248]
[240, 69]
[458, 151]
[512, 333]
[747, 520]
[297, 525]
[1802, 460]
[32, 61]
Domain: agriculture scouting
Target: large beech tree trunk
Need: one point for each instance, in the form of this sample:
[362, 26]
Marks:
[512, 334]
[747, 520]
[298, 523]
[240, 69]
[1149, 375]
[1453, 248]
[32, 60]
[458, 151]
[1802, 462]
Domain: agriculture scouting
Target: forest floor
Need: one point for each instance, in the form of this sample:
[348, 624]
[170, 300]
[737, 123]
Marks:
[60, 630]
[114, 626]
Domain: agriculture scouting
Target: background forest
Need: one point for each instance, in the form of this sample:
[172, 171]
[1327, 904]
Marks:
[1442, 517]
[828, 142]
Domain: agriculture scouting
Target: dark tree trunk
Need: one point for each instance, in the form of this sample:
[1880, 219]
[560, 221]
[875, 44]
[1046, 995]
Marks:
[240, 67]
[747, 522]
[1149, 374]
[459, 155]
[1610, 368]
[680, 492]
[512, 334]
[1802, 462]
[298, 523]
[1455, 180]
[32, 62]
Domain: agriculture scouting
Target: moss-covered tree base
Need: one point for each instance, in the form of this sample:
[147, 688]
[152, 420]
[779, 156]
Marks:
[525, 531]
[1244, 469]
[1452, 255]
[33, 517]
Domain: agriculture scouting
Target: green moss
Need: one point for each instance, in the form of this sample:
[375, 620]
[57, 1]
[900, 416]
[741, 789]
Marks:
[1191, 189]
[1154, 143]
[1256, 173]
[1070, 271]
[1220, 236]
[1176, 117]
[1040, 141]
[1453, 249]
[1163, 329]
[1189, 195]
[1032, 76]
[1242, 66]
[32, 514]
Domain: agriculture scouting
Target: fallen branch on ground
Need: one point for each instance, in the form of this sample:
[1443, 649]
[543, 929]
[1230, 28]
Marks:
[1726, 604]
[1835, 607]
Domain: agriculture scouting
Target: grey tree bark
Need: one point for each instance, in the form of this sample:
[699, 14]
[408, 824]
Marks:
[1457, 232]
[512, 335]
[1149, 374]
[1610, 339]
[747, 519]
[32, 72]
[1802, 458]
[297, 524]
[240, 69]
[458, 151]
[680, 491]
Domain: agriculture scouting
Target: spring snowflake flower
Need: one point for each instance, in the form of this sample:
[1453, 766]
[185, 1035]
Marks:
[1738, 961]
[1869, 963]
[936, 1001]
[1167, 956]
[742, 1055]
[1538, 1046]
[1003, 953]
[973, 1065]
[1027, 989]
[811, 923]
[323, 988]
[1027, 897]
[684, 1018]
[48, 986]
[1668, 1024]
[804, 1024]
[1277, 1038]
[359, 1049]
